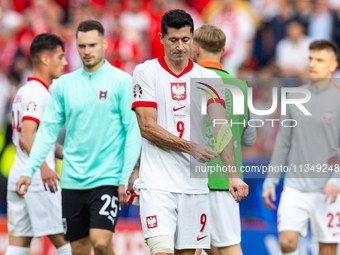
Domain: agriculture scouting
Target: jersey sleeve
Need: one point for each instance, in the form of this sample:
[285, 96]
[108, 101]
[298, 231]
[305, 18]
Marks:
[280, 154]
[51, 124]
[143, 89]
[133, 140]
[34, 105]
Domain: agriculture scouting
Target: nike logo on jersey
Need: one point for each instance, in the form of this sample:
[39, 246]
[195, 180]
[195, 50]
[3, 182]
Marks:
[335, 234]
[175, 110]
[200, 238]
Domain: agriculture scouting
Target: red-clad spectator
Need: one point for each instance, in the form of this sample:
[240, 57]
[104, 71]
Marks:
[156, 8]
[111, 14]
[137, 22]
[122, 53]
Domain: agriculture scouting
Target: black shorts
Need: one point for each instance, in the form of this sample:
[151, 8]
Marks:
[86, 209]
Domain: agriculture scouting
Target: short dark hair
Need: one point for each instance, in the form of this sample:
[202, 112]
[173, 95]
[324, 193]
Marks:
[89, 25]
[44, 42]
[176, 19]
[324, 45]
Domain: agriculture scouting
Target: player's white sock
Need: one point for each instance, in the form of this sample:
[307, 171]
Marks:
[16, 250]
[64, 250]
[296, 252]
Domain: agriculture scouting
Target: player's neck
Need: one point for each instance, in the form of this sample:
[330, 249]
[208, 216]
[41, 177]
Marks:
[209, 57]
[176, 67]
[43, 76]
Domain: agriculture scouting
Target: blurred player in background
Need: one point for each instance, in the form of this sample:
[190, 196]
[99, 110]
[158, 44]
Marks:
[39, 213]
[102, 144]
[209, 42]
[307, 147]
[174, 208]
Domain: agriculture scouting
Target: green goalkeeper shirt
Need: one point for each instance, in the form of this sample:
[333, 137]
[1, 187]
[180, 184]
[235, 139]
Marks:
[218, 180]
[103, 141]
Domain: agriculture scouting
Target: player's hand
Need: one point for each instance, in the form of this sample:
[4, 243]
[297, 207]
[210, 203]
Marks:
[202, 153]
[239, 186]
[330, 190]
[122, 196]
[268, 195]
[134, 175]
[24, 180]
[334, 160]
[49, 178]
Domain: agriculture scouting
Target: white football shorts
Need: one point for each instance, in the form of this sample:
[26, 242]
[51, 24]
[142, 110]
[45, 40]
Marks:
[225, 219]
[37, 214]
[184, 217]
[297, 208]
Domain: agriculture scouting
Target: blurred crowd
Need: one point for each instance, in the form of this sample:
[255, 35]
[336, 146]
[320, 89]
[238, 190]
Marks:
[265, 39]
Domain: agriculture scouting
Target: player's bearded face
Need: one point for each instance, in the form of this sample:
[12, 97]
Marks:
[91, 47]
[57, 63]
[178, 43]
[322, 63]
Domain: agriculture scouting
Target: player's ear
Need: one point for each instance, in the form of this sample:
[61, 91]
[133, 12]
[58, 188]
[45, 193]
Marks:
[196, 50]
[45, 59]
[223, 51]
[105, 44]
[161, 37]
[334, 66]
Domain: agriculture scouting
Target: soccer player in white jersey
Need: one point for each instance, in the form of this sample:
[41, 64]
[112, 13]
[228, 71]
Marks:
[310, 192]
[39, 212]
[174, 208]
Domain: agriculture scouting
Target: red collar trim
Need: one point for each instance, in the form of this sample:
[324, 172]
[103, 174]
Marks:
[186, 70]
[36, 79]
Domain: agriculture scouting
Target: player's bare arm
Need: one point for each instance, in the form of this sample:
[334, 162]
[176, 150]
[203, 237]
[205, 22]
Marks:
[151, 131]
[58, 151]
[134, 175]
[216, 111]
[48, 176]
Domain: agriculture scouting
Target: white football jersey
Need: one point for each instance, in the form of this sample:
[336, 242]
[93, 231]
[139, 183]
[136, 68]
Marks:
[29, 104]
[155, 85]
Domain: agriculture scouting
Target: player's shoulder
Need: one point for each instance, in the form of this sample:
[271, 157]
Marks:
[33, 86]
[148, 65]
[206, 73]
[117, 73]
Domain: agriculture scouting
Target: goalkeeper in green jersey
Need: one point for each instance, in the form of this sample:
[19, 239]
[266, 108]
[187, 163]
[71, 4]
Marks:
[209, 44]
